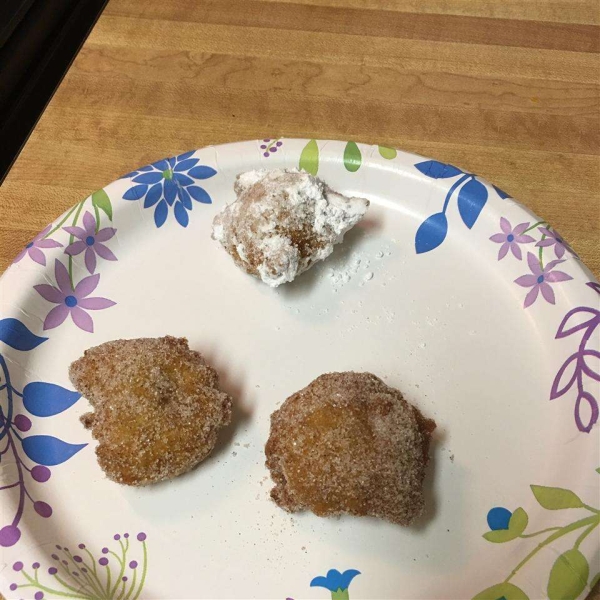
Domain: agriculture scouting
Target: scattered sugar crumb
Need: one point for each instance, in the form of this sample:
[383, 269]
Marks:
[342, 277]
[357, 262]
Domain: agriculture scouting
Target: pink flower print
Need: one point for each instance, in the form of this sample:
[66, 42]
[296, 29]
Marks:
[511, 238]
[553, 238]
[540, 279]
[71, 301]
[90, 242]
[33, 249]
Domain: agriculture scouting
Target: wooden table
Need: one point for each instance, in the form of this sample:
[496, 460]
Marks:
[509, 90]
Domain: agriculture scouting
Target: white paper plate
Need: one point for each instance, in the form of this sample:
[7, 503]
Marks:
[435, 307]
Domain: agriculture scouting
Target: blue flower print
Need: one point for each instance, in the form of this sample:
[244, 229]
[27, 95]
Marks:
[498, 518]
[32, 454]
[170, 182]
[337, 583]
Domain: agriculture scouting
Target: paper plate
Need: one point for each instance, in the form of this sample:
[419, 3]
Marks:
[477, 310]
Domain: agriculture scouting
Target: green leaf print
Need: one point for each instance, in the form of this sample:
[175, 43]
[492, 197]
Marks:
[352, 157]
[505, 590]
[554, 498]
[568, 576]
[518, 521]
[309, 159]
[387, 153]
[570, 572]
[500, 536]
[101, 200]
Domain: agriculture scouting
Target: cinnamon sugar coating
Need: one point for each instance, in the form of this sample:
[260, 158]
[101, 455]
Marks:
[349, 444]
[157, 407]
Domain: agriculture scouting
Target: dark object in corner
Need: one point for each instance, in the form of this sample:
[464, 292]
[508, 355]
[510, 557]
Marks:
[38, 41]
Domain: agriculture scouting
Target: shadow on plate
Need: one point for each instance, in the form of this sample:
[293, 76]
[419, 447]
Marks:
[431, 501]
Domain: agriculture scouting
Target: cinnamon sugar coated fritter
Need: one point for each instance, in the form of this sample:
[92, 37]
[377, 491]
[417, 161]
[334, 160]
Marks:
[157, 407]
[349, 444]
[283, 222]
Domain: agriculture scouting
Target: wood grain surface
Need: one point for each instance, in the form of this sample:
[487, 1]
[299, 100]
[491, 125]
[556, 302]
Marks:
[508, 89]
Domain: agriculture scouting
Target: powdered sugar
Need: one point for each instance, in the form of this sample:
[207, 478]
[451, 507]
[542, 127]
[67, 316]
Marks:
[341, 277]
[284, 221]
[278, 250]
[336, 213]
[358, 266]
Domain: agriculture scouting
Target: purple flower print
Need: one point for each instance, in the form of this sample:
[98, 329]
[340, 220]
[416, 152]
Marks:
[553, 239]
[270, 146]
[511, 238]
[595, 286]
[33, 249]
[578, 370]
[80, 578]
[540, 279]
[90, 241]
[71, 301]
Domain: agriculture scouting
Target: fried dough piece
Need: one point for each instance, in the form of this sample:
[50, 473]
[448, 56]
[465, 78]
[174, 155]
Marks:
[157, 407]
[282, 222]
[348, 443]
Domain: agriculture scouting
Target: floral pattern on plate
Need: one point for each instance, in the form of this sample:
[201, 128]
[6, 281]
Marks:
[77, 249]
[116, 575]
[170, 183]
[70, 297]
[578, 368]
[39, 399]
[570, 573]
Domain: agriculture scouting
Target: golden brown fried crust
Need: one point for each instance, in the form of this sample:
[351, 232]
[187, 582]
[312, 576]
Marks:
[348, 443]
[157, 407]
